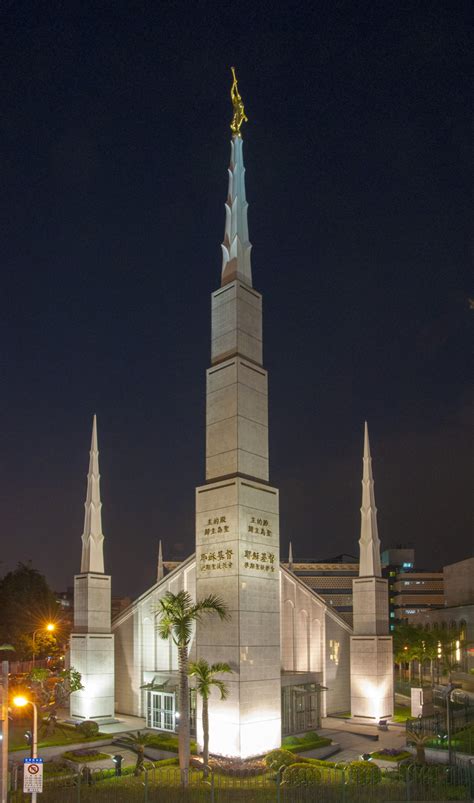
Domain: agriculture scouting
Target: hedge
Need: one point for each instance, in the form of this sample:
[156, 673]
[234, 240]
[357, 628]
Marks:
[363, 772]
[302, 775]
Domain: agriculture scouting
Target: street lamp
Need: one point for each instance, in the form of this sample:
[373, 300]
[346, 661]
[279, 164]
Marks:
[50, 627]
[20, 702]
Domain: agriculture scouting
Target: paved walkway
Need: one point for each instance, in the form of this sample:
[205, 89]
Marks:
[354, 744]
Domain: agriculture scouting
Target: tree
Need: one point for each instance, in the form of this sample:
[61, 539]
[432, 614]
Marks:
[205, 675]
[51, 691]
[178, 615]
[26, 602]
[138, 741]
[420, 741]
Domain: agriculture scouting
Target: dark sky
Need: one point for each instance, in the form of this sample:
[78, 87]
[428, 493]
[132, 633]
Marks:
[115, 145]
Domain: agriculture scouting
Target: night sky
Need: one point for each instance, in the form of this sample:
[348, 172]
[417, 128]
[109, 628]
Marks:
[115, 146]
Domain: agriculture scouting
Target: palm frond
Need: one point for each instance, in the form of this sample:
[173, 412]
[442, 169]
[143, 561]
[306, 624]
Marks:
[211, 604]
[222, 688]
[220, 667]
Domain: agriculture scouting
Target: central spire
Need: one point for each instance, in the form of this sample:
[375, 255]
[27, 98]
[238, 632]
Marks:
[369, 565]
[236, 247]
[92, 537]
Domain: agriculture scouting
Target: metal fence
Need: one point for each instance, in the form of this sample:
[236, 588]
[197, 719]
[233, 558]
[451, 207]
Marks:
[328, 785]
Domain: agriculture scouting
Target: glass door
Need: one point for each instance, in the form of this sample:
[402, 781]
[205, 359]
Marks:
[161, 710]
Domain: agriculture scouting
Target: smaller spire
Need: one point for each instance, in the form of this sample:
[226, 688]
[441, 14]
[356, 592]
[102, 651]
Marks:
[92, 537]
[160, 568]
[290, 557]
[369, 564]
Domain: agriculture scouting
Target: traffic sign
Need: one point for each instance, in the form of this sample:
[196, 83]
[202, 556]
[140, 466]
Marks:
[32, 775]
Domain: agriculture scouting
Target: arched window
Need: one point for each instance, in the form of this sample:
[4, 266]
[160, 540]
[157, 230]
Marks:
[315, 647]
[288, 636]
[302, 656]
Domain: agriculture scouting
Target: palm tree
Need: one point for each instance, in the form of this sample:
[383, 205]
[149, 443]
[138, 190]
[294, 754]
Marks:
[205, 675]
[178, 616]
[137, 741]
[420, 741]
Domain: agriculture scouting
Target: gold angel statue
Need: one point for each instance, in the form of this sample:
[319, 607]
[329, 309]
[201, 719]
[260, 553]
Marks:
[239, 113]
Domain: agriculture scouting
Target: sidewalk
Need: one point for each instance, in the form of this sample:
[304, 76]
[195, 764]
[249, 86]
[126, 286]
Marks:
[354, 744]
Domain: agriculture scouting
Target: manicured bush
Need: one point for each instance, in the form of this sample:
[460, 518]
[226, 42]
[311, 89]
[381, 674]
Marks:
[85, 754]
[166, 762]
[388, 754]
[302, 775]
[321, 741]
[88, 728]
[363, 772]
[166, 741]
[280, 758]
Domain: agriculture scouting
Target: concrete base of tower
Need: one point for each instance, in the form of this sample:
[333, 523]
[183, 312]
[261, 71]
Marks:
[371, 677]
[92, 654]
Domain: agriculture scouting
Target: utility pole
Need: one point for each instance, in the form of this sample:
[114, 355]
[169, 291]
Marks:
[4, 732]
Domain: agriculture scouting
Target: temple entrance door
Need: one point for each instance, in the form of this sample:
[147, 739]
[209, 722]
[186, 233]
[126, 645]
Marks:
[161, 710]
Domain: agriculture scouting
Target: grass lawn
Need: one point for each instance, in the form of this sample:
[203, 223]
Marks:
[401, 713]
[462, 741]
[66, 734]
[310, 741]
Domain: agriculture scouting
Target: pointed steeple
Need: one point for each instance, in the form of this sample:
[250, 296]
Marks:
[369, 564]
[236, 247]
[290, 557]
[160, 568]
[92, 537]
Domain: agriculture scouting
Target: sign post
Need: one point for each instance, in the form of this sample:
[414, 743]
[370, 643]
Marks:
[33, 776]
[4, 732]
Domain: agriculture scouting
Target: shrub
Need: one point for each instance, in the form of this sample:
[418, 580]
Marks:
[302, 775]
[166, 762]
[423, 772]
[388, 754]
[363, 772]
[280, 758]
[166, 741]
[88, 728]
[84, 755]
[321, 741]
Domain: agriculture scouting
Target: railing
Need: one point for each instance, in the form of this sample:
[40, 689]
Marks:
[326, 785]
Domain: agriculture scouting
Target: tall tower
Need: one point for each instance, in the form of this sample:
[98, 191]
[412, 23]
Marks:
[92, 643]
[371, 644]
[237, 512]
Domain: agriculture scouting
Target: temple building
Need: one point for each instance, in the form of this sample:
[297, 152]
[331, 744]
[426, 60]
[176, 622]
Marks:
[288, 649]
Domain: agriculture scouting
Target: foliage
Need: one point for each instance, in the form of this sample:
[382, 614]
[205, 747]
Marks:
[205, 677]
[61, 735]
[178, 617]
[85, 755]
[301, 775]
[137, 742]
[391, 754]
[88, 728]
[280, 758]
[306, 744]
[166, 741]
[51, 691]
[26, 602]
[423, 772]
[363, 772]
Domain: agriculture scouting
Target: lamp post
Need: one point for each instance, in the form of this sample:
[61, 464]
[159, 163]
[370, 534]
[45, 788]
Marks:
[49, 629]
[20, 702]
